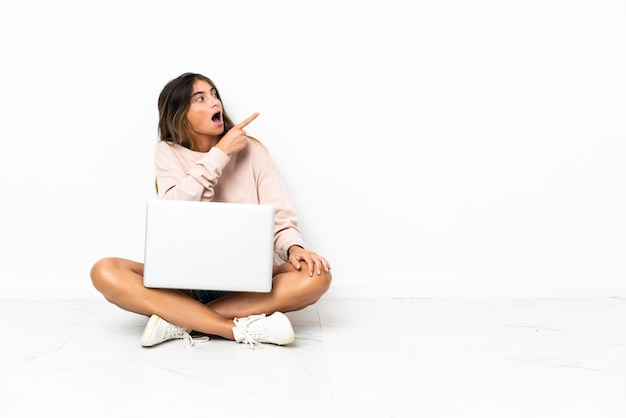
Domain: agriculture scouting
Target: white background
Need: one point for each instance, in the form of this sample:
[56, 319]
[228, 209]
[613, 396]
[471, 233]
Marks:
[445, 148]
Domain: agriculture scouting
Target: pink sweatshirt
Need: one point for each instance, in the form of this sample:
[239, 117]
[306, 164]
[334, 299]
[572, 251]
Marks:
[248, 176]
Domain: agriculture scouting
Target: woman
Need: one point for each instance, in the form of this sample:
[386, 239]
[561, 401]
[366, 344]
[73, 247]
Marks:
[203, 155]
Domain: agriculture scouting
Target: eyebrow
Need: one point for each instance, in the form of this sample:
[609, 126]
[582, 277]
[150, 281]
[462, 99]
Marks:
[202, 92]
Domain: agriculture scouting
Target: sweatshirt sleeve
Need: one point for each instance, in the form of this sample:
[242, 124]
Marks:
[177, 181]
[272, 191]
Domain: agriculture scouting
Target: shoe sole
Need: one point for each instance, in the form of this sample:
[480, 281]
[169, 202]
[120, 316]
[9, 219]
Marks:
[148, 330]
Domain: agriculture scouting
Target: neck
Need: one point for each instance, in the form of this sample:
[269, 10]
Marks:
[204, 143]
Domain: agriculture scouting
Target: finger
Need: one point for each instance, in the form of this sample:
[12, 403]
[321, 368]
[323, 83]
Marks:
[310, 263]
[321, 262]
[318, 263]
[295, 263]
[306, 259]
[247, 121]
[325, 263]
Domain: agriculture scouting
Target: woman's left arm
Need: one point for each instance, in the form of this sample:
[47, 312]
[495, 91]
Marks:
[272, 191]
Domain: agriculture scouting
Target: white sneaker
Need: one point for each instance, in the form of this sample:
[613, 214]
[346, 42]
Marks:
[256, 329]
[158, 330]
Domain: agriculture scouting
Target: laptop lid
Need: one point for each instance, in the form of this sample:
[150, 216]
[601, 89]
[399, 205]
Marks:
[208, 245]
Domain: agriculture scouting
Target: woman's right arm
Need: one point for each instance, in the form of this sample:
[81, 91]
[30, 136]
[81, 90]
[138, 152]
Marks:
[179, 178]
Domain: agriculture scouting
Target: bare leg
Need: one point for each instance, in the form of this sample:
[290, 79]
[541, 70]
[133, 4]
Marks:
[121, 283]
[292, 290]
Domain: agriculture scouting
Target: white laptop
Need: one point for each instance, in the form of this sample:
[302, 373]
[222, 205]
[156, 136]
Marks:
[208, 246]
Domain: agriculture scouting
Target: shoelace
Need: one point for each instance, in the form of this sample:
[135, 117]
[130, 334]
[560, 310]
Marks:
[248, 336]
[175, 332]
[190, 341]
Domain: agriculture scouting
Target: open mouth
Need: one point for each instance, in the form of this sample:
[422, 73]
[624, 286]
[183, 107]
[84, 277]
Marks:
[217, 118]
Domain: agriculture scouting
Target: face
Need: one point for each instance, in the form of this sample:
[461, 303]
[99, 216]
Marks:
[205, 111]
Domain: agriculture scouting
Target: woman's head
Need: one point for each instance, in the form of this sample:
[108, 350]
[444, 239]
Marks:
[174, 104]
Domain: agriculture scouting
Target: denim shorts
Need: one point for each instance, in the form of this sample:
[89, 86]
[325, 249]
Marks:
[206, 296]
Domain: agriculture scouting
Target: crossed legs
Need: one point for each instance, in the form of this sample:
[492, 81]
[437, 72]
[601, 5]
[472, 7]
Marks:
[121, 282]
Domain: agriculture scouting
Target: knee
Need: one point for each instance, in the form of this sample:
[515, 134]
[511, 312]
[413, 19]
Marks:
[325, 280]
[319, 284]
[103, 275]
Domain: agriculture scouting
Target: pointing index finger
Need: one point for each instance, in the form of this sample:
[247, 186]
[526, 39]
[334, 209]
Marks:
[248, 120]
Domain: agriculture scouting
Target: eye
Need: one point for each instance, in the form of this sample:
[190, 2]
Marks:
[214, 93]
[200, 99]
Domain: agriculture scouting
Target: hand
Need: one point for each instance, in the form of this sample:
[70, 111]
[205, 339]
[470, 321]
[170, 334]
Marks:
[235, 139]
[315, 261]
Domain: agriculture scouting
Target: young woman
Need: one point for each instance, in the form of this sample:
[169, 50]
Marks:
[202, 155]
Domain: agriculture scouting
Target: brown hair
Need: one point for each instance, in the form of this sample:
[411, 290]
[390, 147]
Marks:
[174, 102]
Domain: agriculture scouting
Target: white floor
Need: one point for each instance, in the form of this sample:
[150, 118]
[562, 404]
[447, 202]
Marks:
[351, 358]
